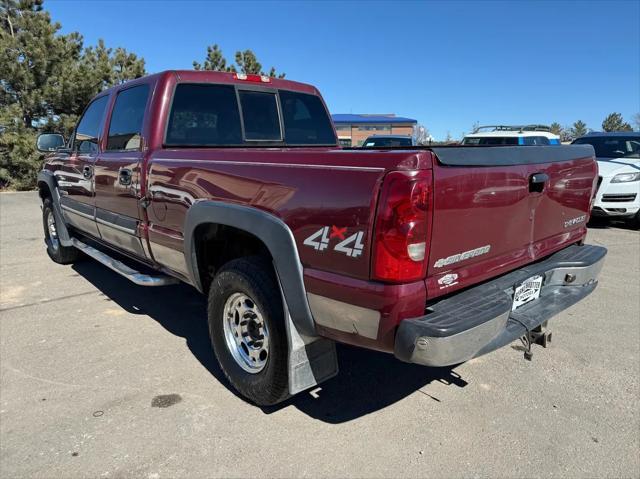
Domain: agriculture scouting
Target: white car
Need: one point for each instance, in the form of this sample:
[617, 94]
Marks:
[514, 135]
[618, 155]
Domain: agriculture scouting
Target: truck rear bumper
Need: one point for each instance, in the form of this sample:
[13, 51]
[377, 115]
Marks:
[479, 320]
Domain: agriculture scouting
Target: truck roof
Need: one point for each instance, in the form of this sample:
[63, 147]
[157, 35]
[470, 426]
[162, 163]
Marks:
[208, 76]
[613, 133]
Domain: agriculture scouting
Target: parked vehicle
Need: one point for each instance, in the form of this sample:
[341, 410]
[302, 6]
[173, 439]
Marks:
[618, 155]
[377, 141]
[236, 185]
[528, 135]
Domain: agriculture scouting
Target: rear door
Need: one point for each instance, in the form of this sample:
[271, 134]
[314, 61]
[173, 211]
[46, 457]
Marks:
[497, 209]
[117, 171]
[75, 176]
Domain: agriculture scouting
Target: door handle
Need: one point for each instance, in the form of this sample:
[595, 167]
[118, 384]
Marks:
[124, 177]
[537, 182]
[87, 172]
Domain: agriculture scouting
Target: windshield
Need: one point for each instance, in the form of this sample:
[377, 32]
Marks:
[374, 142]
[613, 146]
[490, 140]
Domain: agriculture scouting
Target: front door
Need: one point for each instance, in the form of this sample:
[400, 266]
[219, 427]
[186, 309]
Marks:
[117, 172]
[75, 175]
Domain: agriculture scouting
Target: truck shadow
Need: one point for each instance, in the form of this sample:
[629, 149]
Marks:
[607, 223]
[368, 380]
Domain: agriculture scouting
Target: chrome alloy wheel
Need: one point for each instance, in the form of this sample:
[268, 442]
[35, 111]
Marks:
[53, 232]
[246, 333]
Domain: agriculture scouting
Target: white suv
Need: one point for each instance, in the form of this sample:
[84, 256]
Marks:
[525, 135]
[618, 155]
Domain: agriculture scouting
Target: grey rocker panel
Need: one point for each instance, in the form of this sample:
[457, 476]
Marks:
[47, 177]
[277, 237]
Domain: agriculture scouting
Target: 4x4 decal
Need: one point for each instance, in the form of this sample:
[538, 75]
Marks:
[351, 246]
[321, 245]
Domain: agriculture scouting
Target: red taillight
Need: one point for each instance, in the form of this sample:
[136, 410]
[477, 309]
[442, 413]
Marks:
[252, 77]
[402, 226]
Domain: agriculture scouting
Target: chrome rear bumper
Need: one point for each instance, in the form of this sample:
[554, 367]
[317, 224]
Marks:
[479, 320]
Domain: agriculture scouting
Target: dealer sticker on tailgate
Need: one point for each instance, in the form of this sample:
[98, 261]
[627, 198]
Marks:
[527, 291]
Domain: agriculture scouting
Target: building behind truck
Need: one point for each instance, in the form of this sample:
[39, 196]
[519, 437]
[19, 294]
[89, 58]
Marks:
[353, 129]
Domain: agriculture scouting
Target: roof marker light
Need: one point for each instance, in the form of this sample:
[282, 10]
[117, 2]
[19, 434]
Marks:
[252, 77]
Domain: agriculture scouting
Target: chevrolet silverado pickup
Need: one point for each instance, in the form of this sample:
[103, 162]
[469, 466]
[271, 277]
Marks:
[236, 184]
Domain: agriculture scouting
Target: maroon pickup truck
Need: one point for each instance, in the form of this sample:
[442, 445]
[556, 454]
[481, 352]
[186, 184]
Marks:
[236, 185]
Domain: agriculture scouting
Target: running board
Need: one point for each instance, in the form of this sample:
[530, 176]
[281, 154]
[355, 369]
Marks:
[122, 269]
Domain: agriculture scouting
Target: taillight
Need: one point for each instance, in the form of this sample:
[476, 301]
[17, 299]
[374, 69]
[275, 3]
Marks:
[402, 227]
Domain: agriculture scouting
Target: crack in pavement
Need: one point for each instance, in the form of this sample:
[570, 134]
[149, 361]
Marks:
[44, 301]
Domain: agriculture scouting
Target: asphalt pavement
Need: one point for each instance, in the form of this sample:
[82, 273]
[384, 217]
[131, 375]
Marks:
[102, 378]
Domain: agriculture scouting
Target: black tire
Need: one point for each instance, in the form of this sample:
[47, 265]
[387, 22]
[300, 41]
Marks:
[58, 253]
[253, 277]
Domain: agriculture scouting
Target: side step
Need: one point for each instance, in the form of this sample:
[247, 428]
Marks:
[122, 269]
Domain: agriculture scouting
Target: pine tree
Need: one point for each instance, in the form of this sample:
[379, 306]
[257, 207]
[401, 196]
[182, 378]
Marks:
[214, 61]
[615, 122]
[556, 128]
[579, 129]
[47, 80]
[245, 62]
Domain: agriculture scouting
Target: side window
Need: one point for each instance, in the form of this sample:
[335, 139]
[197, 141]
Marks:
[125, 128]
[536, 140]
[260, 116]
[87, 132]
[204, 115]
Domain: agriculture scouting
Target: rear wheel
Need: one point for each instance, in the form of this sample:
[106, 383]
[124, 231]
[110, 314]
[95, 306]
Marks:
[247, 330]
[58, 253]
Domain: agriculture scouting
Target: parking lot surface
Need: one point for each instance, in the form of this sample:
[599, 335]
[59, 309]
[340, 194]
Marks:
[102, 378]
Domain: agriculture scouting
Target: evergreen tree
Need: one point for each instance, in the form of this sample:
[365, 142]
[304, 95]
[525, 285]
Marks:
[556, 128]
[245, 62]
[579, 129]
[615, 122]
[215, 61]
[47, 80]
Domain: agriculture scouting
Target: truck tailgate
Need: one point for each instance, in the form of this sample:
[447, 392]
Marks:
[499, 208]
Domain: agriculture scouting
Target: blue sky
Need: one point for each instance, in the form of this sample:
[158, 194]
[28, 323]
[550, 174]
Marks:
[447, 64]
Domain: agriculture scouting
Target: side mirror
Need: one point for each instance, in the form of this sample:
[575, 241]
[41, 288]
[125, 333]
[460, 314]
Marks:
[48, 142]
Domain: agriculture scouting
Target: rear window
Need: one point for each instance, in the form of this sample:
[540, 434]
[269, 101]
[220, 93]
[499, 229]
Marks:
[490, 140]
[213, 115]
[260, 116]
[613, 146]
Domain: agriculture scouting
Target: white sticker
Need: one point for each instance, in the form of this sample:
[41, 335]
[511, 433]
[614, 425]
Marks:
[353, 251]
[324, 241]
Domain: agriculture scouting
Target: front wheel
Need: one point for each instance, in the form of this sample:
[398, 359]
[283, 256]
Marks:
[247, 330]
[58, 253]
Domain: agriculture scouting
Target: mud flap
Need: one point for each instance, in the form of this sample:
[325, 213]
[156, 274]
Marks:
[63, 233]
[312, 359]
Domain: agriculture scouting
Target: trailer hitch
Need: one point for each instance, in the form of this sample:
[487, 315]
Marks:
[539, 335]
